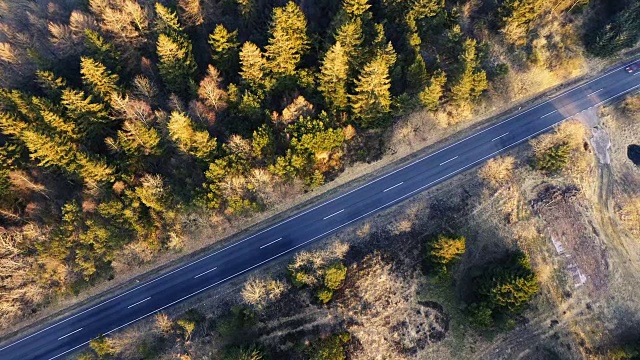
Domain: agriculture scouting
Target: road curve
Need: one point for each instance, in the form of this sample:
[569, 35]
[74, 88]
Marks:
[56, 339]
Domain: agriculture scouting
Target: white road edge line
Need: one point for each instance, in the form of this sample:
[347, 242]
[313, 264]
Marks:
[553, 112]
[335, 213]
[274, 241]
[448, 161]
[396, 185]
[496, 138]
[336, 228]
[206, 272]
[316, 207]
[139, 302]
[595, 92]
[71, 333]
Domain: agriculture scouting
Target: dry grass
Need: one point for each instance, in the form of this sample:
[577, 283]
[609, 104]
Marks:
[629, 215]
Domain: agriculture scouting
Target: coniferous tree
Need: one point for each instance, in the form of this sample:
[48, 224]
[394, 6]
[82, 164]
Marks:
[288, 39]
[355, 8]
[97, 78]
[101, 50]
[252, 63]
[517, 16]
[372, 99]
[184, 133]
[175, 57]
[224, 50]
[90, 116]
[334, 74]
[176, 65]
[431, 95]
[473, 80]
[350, 36]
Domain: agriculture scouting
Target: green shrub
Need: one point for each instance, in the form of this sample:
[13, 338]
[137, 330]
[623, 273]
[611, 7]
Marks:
[331, 348]
[102, 346]
[324, 295]
[250, 352]
[554, 159]
[481, 315]
[334, 276]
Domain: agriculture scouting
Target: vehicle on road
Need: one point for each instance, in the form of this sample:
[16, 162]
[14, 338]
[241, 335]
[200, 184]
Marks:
[633, 68]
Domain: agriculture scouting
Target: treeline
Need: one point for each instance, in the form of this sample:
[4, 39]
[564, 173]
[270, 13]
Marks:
[118, 116]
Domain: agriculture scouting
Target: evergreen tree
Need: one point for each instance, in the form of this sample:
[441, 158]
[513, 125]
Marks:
[334, 74]
[252, 64]
[97, 78]
[101, 50]
[288, 39]
[416, 74]
[139, 139]
[431, 95]
[263, 143]
[176, 64]
[473, 80]
[167, 22]
[90, 116]
[446, 250]
[350, 36]
[183, 131]
[51, 84]
[517, 16]
[355, 8]
[224, 50]
[56, 121]
[372, 99]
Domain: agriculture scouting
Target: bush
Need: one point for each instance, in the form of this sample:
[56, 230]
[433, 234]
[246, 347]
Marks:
[334, 276]
[553, 159]
[481, 315]
[324, 295]
[102, 346]
[508, 285]
[251, 352]
[237, 321]
[446, 250]
[331, 348]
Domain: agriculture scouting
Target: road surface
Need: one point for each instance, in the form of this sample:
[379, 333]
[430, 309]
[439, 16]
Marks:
[57, 339]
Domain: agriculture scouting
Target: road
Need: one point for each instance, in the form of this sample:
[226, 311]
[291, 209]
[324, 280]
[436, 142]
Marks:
[55, 340]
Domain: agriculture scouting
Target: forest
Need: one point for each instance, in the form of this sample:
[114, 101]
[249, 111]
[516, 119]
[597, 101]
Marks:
[118, 117]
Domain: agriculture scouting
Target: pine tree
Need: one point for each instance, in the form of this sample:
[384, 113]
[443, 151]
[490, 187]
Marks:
[350, 36]
[517, 15]
[355, 8]
[97, 78]
[431, 95]
[51, 84]
[101, 50]
[90, 116]
[176, 64]
[252, 64]
[183, 131]
[288, 39]
[56, 121]
[372, 99]
[93, 170]
[416, 74]
[473, 80]
[50, 151]
[224, 50]
[137, 139]
[263, 143]
[334, 74]
[167, 22]
[446, 250]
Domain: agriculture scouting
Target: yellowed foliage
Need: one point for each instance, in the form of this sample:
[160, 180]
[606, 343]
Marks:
[349, 132]
[497, 171]
[163, 323]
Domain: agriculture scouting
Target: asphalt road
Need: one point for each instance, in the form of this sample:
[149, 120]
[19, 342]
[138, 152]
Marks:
[55, 340]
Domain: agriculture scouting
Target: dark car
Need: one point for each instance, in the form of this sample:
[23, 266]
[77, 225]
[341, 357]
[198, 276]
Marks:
[633, 68]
